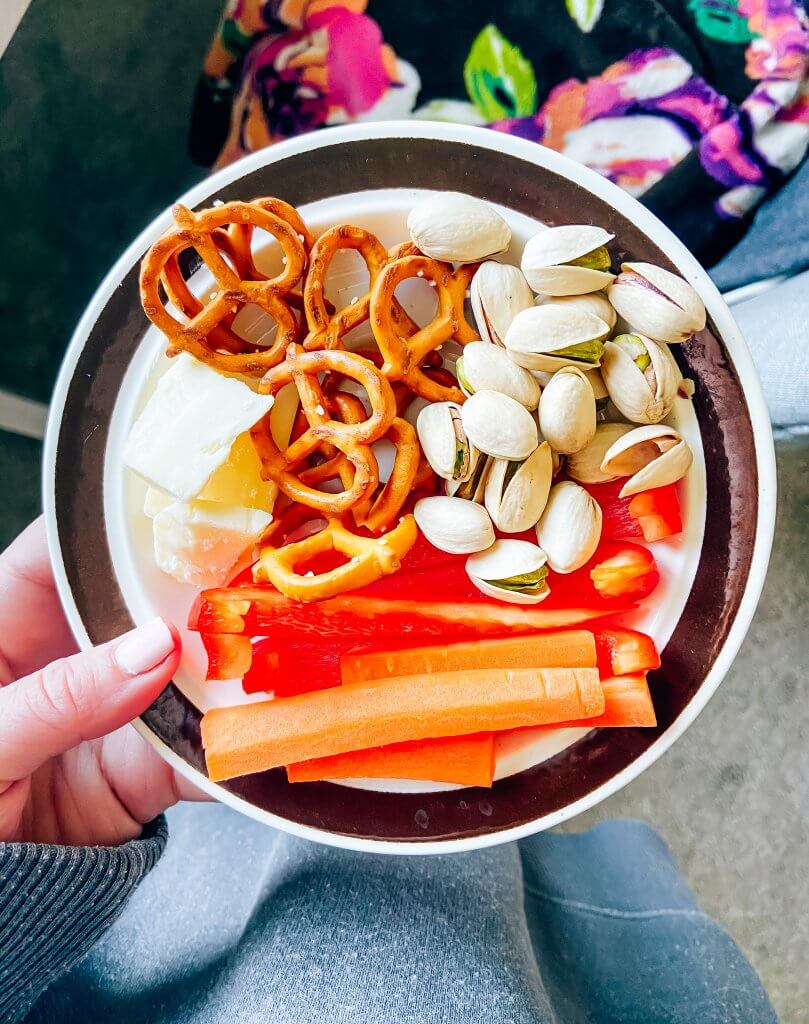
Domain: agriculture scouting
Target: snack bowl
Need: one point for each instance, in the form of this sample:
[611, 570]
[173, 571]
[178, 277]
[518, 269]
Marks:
[712, 576]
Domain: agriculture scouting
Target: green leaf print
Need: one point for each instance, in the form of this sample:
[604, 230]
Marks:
[499, 80]
[720, 20]
[585, 12]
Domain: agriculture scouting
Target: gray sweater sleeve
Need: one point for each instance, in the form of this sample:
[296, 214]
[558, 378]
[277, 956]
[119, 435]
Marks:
[55, 902]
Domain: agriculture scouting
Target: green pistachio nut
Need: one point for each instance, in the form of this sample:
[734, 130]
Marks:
[633, 345]
[526, 583]
[585, 351]
[596, 259]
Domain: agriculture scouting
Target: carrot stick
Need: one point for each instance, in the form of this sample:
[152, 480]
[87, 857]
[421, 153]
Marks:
[255, 737]
[463, 760]
[627, 703]
[574, 648]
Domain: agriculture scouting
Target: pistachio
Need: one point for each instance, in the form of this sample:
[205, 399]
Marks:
[549, 337]
[499, 426]
[454, 525]
[602, 396]
[657, 303]
[473, 488]
[592, 302]
[568, 260]
[570, 527]
[516, 492]
[567, 411]
[641, 377]
[457, 228]
[585, 465]
[650, 456]
[498, 292]
[483, 367]
[444, 441]
[513, 571]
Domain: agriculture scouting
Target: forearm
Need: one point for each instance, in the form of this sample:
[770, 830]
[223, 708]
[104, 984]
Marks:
[55, 902]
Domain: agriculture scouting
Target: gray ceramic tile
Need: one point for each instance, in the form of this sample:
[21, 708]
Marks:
[19, 470]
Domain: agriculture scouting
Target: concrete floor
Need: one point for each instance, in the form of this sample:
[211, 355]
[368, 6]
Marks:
[732, 796]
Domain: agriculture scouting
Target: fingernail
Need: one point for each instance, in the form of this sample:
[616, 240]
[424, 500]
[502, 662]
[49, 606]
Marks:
[144, 647]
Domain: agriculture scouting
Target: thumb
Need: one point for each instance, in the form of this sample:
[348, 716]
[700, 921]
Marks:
[82, 697]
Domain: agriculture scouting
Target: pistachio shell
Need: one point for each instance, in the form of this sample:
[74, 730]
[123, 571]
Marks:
[443, 440]
[498, 292]
[504, 560]
[473, 488]
[592, 302]
[454, 525]
[517, 505]
[657, 303]
[570, 527]
[457, 228]
[567, 411]
[536, 335]
[585, 465]
[499, 426]
[650, 456]
[484, 367]
[547, 257]
[629, 387]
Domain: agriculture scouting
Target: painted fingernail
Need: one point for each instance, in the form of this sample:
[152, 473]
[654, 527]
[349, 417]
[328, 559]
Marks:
[144, 647]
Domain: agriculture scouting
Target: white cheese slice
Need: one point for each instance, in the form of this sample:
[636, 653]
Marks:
[155, 501]
[188, 426]
[201, 541]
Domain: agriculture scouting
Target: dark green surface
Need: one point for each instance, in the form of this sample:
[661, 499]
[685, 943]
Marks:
[95, 97]
[19, 470]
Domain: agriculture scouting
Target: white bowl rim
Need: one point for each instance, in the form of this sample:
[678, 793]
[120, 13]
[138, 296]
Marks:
[687, 265]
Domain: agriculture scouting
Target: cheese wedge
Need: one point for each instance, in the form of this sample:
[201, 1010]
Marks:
[200, 542]
[188, 427]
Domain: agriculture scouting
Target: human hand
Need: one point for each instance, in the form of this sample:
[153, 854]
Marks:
[71, 769]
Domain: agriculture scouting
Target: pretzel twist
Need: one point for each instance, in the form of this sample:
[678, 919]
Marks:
[403, 355]
[353, 440]
[327, 330]
[207, 329]
[370, 558]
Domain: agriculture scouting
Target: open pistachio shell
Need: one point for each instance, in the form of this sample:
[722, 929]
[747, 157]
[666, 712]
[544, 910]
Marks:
[567, 260]
[516, 492]
[641, 377]
[457, 228]
[473, 488]
[570, 527]
[498, 292]
[651, 456]
[585, 465]
[454, 525]
[499, 426]
[484, 367]
[443, 440]
[567, 411]
[549, 337]
[592, 302]
[657, 303]
[510, 570]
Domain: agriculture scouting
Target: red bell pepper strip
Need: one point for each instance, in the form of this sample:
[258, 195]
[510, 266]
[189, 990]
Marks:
[625, 652]
[650, 515]
[621, 569]
[292, 668]
[229, 655]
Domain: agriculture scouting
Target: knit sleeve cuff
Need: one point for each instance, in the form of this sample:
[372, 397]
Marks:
[55, 902]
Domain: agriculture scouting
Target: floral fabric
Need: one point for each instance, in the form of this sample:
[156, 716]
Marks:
[717, 89]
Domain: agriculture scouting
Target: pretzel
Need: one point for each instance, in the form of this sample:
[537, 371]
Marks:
[205, 232]
[377, 512]
[369, 558]
[352, 439]
[327, 330]
[404, 356]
